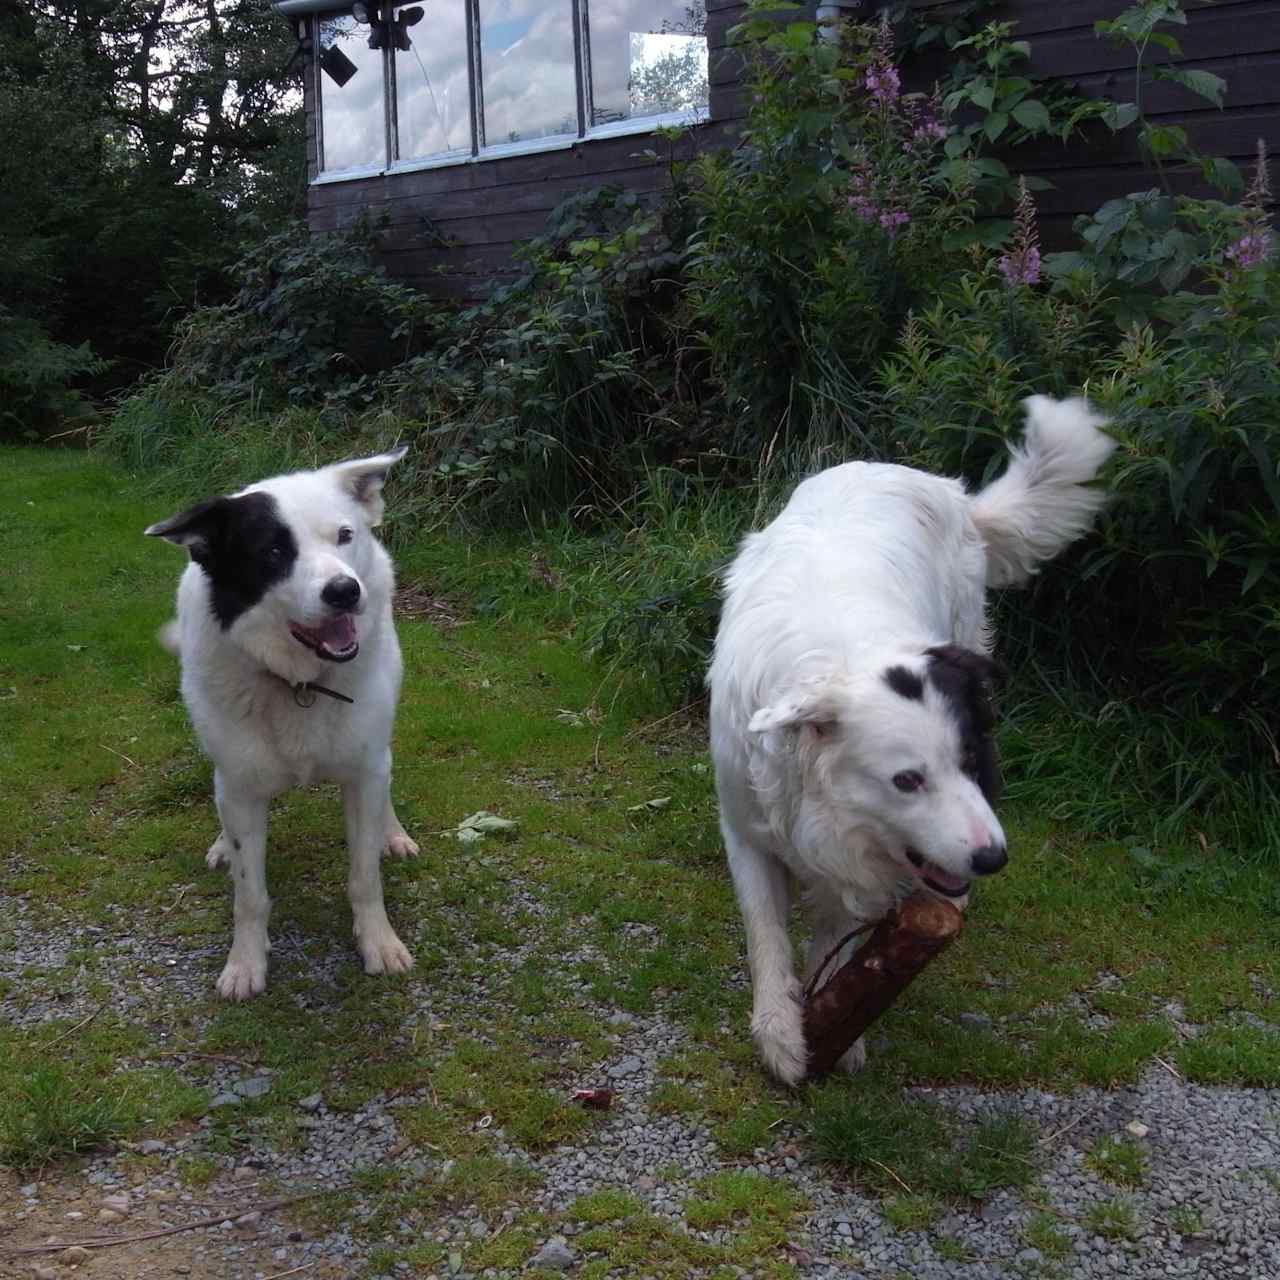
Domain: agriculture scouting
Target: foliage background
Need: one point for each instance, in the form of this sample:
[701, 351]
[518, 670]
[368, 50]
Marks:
[861, 277]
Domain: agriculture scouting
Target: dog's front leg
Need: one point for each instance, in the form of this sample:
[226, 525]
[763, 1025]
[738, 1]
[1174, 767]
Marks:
[777, 1025]
[244, 844]
[367, 803]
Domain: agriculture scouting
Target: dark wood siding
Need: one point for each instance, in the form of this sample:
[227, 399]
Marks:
[488, 207]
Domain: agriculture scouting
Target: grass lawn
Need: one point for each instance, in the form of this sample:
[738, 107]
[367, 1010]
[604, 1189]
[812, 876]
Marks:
[1079, 965]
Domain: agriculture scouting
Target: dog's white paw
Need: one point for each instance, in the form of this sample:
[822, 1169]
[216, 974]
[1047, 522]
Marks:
[219, 854]
[854, 1057]
[400, 846]
[777, 1026]
[383, 952]
[243, 977]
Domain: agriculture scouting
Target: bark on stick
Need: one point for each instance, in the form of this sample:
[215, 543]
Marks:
[911, 935]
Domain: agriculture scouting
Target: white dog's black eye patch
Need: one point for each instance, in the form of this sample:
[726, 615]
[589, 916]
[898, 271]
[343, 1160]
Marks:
[905, 682]
[241, 543]
[964, 678]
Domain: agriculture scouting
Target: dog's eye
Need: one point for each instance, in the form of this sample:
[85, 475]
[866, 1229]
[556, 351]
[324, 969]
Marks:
[908, 780]
[274, 554]
[344, 536]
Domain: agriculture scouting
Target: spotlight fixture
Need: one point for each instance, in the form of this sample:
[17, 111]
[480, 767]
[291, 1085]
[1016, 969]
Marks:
[407, 18]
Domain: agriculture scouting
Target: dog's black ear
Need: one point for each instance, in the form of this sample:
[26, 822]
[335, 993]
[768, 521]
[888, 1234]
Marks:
[364, 477]
[198, 528]
[965, 678]
[978, 665]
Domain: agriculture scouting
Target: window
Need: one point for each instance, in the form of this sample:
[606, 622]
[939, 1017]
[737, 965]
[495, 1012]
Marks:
[444, 81]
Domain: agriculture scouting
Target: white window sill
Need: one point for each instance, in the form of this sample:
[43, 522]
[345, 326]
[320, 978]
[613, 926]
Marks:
[557, 142]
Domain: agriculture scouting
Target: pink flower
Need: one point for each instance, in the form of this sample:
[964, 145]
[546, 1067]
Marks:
[1254, 246]
[1021, 265]
[892, 219]
[1251, 249]
[1021, 268]
[883, 83]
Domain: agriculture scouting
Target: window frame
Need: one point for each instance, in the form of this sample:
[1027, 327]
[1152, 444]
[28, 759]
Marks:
[479, 152]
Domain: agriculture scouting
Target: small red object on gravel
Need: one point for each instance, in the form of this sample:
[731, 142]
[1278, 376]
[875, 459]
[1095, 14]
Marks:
[594, 1099]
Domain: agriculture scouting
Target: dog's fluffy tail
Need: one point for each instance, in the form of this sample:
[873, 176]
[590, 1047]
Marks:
[168, 637]
[1042, 503]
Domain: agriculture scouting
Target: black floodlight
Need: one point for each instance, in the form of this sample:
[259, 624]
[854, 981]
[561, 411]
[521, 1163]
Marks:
[337, 65]
[406, 19]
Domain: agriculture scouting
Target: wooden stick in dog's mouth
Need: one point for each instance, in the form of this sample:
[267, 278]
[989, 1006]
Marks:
[907, 939]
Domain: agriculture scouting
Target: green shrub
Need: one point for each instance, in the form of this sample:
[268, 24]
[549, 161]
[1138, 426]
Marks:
[818, 233]
[37, 376]
[314, 320]
[552, 392]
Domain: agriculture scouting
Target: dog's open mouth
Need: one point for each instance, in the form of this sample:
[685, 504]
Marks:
[335, 640]
[936, 878]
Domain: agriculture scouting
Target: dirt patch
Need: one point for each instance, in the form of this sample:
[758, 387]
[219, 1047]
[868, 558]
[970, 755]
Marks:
[209, 1235]
[416, 603]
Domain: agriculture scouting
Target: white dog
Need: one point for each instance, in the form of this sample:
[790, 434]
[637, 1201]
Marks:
[291, 671]
[850, 726]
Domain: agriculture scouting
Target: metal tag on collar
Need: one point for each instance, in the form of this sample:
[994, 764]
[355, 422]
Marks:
[304, 694]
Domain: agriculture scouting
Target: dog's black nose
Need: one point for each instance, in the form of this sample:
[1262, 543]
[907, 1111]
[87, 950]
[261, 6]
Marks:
[988, 860]
[342, 592]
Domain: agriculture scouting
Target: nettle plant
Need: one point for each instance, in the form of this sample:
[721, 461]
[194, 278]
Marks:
[1001, 104]
[1152, 243]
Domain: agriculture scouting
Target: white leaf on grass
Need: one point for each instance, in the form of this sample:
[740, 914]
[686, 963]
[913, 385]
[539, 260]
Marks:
[480, 824]
[649, 806]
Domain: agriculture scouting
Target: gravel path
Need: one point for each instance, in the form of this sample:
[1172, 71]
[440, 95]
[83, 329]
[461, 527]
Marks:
[1213, 1155]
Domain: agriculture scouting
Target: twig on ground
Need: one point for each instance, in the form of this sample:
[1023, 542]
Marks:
[182, 890]
[84, 1022]
[293, 1271]
[121, 754]
[1088, 1111]
[653, 724]
[880, 1164]
[209, 1057]
[106, 1242]
[1170, 1068]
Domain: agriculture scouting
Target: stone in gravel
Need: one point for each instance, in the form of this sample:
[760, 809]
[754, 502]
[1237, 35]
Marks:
[1137, 1128]
[29, 1191]
[225, 1099]
[244, 1173]
[628, 1066]
[75, 1255]
[256, 1087]
[44, 1273]
[555, 1255]
[116, 1204]
[152, 1146]
[621, 1019]
[311, 1102]
[110, 1215]
[974, 1020]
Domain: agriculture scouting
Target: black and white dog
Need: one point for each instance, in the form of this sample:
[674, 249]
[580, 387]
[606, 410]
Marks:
[291, 671]
[850, 724]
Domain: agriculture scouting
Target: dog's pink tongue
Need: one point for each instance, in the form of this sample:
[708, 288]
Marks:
[338, 633]
[944, 878]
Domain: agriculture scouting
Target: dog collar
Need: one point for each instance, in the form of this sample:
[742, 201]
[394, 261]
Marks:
[304, 693]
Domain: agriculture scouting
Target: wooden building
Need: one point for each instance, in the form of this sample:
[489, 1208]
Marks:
[467, 121]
